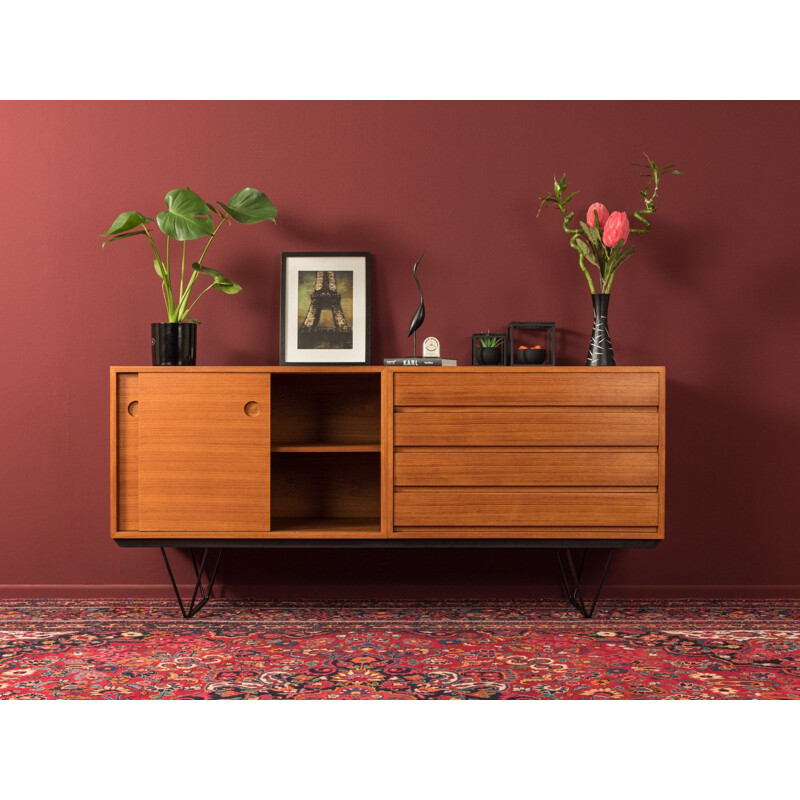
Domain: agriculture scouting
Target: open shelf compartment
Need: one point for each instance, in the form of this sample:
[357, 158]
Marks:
[326, 412]
[326, 491]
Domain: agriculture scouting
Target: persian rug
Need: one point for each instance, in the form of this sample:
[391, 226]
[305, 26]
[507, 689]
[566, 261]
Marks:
[442, 650]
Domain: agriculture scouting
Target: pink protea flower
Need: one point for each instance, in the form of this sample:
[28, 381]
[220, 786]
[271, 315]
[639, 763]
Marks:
[602, 215]
[617, 229]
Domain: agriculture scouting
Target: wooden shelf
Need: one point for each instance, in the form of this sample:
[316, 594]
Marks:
[327, 448]
[341, 525]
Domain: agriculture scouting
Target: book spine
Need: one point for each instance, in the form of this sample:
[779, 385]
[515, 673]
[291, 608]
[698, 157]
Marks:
[418, 362]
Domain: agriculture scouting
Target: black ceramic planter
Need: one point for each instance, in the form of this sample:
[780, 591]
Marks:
[173, 343]
[489, 356]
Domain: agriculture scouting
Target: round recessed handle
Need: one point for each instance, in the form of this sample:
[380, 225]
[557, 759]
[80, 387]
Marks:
[133, 408]
[252, 409]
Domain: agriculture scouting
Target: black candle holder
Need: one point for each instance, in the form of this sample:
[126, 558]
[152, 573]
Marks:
[548, 329]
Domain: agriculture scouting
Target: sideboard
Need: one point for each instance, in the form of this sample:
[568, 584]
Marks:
[220, 457]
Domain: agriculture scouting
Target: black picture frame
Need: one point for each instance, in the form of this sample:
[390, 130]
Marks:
[347, 341]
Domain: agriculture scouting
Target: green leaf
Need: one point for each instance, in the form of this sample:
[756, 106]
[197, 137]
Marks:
[212, 209]
[207, 270]
[250, 206]
[123, 236]
[125, 221]
[227, 286]
[625, 255]
[545, 201]
[592, 234]
[193, 321]
[220, 281]
[160, 269]
[187, 217]
[586, 250]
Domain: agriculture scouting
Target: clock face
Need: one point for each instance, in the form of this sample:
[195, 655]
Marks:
[430, 347]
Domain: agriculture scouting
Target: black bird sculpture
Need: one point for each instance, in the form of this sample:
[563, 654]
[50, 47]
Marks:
[419, 314]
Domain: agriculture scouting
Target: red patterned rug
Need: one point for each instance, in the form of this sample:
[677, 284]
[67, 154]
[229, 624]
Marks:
[522, 650]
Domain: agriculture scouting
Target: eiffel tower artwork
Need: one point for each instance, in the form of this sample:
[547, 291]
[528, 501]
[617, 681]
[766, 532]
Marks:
[325, 325]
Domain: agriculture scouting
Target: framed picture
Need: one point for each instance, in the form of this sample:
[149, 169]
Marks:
[325, 308]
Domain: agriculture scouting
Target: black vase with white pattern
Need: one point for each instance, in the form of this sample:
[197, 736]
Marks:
[601, 353]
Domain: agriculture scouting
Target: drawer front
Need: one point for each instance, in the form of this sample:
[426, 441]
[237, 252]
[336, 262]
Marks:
[527, 388]
[476, 467]
[431, 509]
[526, 427]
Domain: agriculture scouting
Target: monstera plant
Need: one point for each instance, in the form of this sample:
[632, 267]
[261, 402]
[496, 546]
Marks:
[187, 218]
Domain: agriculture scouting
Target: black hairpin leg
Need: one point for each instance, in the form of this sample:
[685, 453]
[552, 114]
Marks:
[574, 594]
[205, 593]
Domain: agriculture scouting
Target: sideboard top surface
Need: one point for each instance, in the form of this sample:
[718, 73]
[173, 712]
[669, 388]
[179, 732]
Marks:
[376, 368]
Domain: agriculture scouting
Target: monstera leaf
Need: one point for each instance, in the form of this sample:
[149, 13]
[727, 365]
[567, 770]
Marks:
[187, 216]
[220, 281]
[250, 206]
[123, 226]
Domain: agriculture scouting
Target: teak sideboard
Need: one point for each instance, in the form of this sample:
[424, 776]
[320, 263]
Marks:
[245, 456]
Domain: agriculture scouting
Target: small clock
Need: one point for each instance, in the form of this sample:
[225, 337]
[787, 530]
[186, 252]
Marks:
[430, 348]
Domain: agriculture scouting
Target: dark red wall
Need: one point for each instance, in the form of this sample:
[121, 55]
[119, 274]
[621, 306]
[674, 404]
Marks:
[712, 293]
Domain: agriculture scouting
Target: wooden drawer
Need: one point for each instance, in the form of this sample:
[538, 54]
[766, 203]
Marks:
[427, 509]
[477, 467]
[534, 387]
[526, 427]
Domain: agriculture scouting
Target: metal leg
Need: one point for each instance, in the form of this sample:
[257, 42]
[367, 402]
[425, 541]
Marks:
[574, 594]
[205, 594]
